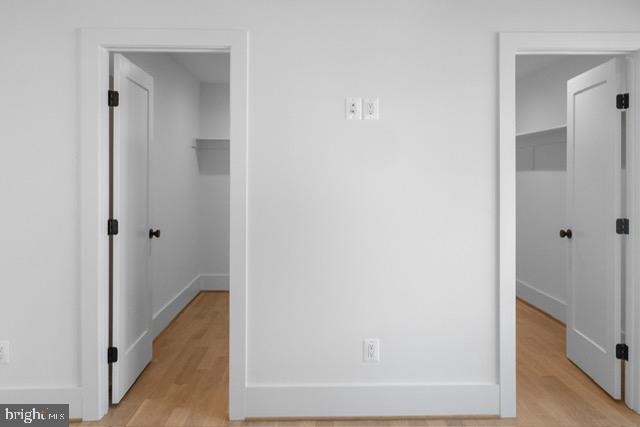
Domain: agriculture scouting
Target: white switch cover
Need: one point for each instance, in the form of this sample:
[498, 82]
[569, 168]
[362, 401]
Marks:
[4, 352]
[371, 350]
[371, 109]
[353, 108]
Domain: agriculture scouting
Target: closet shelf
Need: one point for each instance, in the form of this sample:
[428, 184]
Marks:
[541, 132]
[555, 134]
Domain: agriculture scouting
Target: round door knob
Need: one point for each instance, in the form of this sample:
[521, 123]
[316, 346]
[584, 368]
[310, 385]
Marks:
[154, 233]
[566, 233]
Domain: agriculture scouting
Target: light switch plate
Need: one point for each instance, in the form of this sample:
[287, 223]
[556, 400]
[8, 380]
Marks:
[353, 108]
[371, 107]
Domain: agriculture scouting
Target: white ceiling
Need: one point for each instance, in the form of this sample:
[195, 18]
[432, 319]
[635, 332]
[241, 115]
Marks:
[207, 67]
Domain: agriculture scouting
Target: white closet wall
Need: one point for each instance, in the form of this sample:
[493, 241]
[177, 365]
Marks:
[541, 102]
[213, 161]
[214, 110]
[541, 95]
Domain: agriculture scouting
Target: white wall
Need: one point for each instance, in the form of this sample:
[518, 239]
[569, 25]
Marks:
[381, 229]
[174, 184]
[541, 103]
[214, 110]
[214, 182]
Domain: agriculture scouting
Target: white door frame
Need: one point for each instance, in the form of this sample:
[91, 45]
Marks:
[94, 48]
[512, 44]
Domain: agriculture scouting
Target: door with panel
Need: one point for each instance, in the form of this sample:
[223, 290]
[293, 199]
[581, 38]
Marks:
[594, 179]
[131, 309]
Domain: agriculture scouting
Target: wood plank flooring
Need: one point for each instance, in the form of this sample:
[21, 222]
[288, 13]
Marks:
[186, 383]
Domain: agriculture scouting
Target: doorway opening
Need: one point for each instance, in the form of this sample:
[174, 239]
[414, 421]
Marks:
[169, 206]
[571, 211]
[96, 48]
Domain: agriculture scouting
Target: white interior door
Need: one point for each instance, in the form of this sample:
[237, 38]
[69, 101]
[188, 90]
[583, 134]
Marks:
[593, 205]
[132, 136]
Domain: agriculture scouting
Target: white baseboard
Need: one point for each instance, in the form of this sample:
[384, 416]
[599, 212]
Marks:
[71, 395]
[375, 400]
[166, 314]
[214, 282]
[542, 300]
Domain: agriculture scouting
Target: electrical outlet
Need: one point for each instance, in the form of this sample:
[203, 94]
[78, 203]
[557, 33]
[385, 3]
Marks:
[371, 350]
[4, 352]
[371, 108]
[353, 108]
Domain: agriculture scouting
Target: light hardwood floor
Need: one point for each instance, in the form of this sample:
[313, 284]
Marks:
[186, 383]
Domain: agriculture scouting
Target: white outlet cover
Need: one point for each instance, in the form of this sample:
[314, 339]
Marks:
[371, 109]
[4, 352]
[371, 350]
[353, 108]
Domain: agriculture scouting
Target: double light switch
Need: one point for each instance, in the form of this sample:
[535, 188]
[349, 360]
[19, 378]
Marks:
[362, 109]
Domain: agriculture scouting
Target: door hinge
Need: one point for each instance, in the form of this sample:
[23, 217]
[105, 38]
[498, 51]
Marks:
[114, 98]
[622, 101]
[112, 227]
[622, 226]
[622, 352]
[112, 354]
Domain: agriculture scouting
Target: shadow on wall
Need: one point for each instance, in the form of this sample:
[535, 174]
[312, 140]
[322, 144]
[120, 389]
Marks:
[213, 161]
[542, 157]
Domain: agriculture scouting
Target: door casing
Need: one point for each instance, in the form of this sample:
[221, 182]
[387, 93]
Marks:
[510, 45]
[94, 48]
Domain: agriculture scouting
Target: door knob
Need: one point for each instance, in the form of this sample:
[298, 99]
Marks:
[154, 233]
[566, 233]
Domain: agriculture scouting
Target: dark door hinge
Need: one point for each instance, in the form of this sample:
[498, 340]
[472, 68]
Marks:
[622, 101]
[622, 352]
[112, 354]
[622, 226]
[112, 227]
[114, 98]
